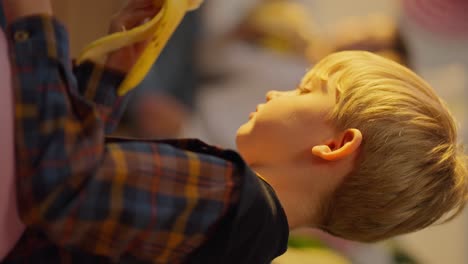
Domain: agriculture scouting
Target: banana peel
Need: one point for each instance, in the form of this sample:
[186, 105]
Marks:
[158, 31]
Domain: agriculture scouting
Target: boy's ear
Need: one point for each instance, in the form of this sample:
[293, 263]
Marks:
[343, 145]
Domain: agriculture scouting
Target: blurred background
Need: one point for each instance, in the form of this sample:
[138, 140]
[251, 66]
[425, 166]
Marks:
[224, 58]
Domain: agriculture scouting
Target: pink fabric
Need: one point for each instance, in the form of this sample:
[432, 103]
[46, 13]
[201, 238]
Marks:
[10, 224]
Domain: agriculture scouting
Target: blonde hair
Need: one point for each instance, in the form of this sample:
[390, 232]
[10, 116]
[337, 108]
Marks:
[410, 171]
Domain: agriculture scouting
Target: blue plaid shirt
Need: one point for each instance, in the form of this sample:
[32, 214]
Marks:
[88, 198]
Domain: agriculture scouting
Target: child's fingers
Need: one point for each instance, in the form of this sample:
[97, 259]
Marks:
[138, 17]
[137, 4]
[131, 19]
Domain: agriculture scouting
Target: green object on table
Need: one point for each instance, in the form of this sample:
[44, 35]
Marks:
[305, 242]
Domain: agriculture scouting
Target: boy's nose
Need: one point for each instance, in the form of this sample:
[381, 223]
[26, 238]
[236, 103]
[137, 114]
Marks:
[272, 94]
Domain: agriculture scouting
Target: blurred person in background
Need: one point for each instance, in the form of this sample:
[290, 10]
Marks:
[376, 32]
[444, 18]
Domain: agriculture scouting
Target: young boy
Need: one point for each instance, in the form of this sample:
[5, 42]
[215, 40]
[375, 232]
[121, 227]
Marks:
[363, 149]
[365, 142]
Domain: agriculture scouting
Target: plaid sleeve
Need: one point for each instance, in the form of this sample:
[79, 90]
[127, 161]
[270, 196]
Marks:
[149, 200]
[99, 85]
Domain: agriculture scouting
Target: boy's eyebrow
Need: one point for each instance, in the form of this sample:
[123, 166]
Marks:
[307, 82]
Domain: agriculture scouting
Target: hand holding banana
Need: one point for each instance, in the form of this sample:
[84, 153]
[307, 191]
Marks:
[157, 31]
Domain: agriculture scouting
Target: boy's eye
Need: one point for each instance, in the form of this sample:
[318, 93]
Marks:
[302, 90]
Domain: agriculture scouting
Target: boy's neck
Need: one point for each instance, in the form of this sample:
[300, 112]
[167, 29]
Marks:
[299, 191]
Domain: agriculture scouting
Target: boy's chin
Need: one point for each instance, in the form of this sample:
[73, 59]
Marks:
[244, 130]
[242, 134]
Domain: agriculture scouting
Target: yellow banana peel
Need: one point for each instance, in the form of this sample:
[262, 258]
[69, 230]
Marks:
[158, 30]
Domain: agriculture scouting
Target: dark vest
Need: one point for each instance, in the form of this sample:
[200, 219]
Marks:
[256, 231]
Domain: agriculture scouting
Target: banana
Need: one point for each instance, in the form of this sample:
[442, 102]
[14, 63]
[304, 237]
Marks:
[158, 30]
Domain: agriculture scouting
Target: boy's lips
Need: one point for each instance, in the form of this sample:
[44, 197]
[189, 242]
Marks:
[256, 110]
[259, 107]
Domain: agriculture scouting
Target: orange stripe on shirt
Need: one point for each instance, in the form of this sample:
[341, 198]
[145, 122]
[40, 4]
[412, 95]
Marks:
[191, 191]
[116, 200]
